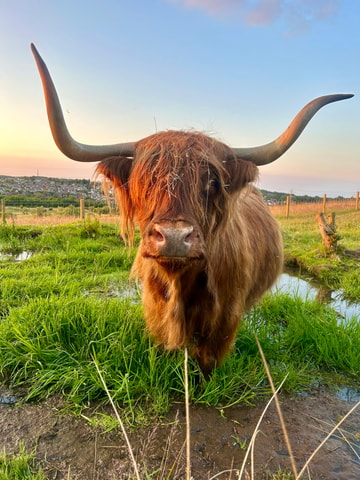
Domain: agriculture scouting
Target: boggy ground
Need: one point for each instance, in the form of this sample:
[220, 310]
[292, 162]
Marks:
[69, 448]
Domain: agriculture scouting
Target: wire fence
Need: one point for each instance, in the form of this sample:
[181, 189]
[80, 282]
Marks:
[85, 209]
[41, 215]
[292, 207]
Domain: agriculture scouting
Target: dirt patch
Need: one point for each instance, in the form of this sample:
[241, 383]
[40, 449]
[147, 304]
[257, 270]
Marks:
[352, 253]
[69, 448]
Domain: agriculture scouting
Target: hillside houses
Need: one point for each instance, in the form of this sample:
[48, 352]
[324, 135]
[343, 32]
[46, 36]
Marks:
[50, 187]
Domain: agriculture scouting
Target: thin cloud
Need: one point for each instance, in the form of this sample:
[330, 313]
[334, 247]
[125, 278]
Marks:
[302, 14]
[265, 13]
[298, 15]
[213, 7]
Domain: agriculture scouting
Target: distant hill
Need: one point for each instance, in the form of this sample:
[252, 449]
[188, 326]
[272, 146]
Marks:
[274, 198]
[49, 186]
[50, 191]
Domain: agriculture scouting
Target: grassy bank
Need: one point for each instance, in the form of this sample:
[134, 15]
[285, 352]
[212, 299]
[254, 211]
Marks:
[303, 248]
[70, 304]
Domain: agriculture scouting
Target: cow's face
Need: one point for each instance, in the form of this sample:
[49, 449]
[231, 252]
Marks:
[177, 188]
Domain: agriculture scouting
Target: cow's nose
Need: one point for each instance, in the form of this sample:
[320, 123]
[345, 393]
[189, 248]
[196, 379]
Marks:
[173, 240]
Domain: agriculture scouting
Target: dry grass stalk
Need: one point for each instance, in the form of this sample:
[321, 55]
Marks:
[95, 456]
[254, 435]
[231, 469]
[326, 439]
[120, 423]
[278, 408]
[186, 381]
[53, 220]
[343, 435]
[167, 450]
[345, 438]
[176, 467]
[313, 207]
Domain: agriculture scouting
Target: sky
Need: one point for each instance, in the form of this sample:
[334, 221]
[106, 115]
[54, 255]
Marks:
[239, 70]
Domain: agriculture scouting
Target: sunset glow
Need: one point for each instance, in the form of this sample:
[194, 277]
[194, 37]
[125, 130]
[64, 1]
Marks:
[236, 70]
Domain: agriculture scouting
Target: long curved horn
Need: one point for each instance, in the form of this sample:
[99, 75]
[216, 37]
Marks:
[70, 147]
[265, 154]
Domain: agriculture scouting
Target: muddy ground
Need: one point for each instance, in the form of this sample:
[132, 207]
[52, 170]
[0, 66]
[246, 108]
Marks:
[69, 448]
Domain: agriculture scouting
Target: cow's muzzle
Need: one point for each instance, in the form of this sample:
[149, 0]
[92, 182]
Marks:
[176, 239]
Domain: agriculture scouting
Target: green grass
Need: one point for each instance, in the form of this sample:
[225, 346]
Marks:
[303, 247]
[62, 309]
[20, 466]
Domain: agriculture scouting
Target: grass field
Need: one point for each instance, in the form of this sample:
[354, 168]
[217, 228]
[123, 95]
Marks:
[68, 309]
[70, 303]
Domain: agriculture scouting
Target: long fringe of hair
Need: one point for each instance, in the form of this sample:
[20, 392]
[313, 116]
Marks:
[173, 165]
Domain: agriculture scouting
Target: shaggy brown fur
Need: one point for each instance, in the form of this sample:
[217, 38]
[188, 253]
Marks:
[189, 180]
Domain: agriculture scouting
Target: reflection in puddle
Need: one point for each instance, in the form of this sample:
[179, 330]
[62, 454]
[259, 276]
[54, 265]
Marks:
[122, 291]
[348, 394]
[17, 257]
[22, 256]
[7, 398]
[130, 292]
[294, 285]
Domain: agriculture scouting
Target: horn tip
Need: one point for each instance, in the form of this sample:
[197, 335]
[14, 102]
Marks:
[345, 96]
[34, 50]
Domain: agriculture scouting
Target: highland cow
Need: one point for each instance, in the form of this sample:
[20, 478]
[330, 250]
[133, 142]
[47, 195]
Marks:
[209, 246]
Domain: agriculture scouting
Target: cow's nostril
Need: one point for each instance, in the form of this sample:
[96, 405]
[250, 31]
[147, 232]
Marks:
[157, 234]
[189, 237]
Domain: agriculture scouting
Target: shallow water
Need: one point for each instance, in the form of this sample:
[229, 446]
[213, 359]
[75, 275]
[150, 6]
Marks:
[17, 257]
[22, 256]
[122, 290]
[348, 394]
[291, 283]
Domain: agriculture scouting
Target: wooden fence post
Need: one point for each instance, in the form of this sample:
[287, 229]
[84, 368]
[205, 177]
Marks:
[328, 231]
[3, 216]
[357, 201]
[82, 209]
[324, 203]
[288, 198]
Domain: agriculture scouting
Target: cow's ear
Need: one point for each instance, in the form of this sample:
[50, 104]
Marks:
[241, 172]
[115, 169]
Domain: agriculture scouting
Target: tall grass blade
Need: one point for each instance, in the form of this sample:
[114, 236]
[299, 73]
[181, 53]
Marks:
[326, 439]
[278, 408]
[256, 430]
[349, 443]
[186, 382]
[120, 422]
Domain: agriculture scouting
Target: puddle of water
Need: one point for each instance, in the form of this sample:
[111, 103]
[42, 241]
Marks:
[129, 292]
[348, 394]
[309, 289]
[7, 398]
[17, 257]
[22, 256]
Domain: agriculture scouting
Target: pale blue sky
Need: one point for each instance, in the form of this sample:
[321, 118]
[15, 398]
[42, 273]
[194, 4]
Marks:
[236, 69]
